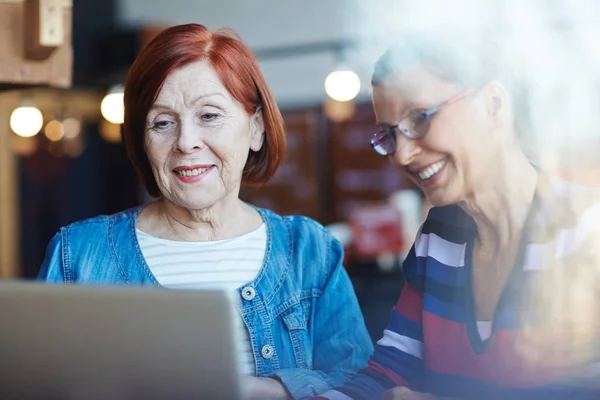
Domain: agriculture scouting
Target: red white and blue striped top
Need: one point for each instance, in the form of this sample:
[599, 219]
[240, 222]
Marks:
[431, 343]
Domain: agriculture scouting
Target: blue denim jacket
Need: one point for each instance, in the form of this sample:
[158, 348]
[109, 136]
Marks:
[304, 321]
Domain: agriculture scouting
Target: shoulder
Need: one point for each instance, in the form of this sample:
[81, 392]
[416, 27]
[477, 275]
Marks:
[97, 225]
[569, 213]
[309, 249]
[89, 223]
[568, 206]
[442, 239]
[296, 226]
[76, 250]
[450, 223]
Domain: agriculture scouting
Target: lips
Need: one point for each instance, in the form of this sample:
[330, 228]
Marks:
[191, 172]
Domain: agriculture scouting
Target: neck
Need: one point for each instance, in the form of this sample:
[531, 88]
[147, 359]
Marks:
[500, 208]
[225, 219]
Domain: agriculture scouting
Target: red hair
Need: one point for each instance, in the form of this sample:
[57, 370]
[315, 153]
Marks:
[238, 70]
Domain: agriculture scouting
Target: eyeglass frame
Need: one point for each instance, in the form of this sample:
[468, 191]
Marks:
[391, 131]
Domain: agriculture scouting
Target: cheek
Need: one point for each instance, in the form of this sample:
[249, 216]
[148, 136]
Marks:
[457, 138]
[232, 150]
[157, 151]
[222, 150]
[233, 162]
[440, 142]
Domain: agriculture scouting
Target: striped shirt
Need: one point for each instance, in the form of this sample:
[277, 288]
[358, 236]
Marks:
[224, 264]
[433, 342]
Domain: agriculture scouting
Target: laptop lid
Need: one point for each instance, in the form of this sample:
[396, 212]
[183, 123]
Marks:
[94, 342]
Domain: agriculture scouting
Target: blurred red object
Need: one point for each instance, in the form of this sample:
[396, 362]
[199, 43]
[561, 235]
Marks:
[376, 230]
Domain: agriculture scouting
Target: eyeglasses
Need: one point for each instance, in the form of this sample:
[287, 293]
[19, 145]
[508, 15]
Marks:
[417, 126]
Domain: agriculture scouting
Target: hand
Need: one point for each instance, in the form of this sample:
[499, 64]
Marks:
[404, 393]
[263, 388]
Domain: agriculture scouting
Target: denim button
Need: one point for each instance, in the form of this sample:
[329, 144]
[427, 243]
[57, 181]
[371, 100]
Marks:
[248, 293]
[267, 351]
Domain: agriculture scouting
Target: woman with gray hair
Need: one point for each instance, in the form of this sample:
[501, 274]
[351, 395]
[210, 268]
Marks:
[501, 286]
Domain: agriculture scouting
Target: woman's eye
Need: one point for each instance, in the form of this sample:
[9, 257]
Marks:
[161, 124]
[209, 117]
[419, 118]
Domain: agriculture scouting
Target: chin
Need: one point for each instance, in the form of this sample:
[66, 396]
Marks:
[435, 202]
[441, 198]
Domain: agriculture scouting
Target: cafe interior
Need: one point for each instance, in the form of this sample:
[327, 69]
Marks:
[63, 65]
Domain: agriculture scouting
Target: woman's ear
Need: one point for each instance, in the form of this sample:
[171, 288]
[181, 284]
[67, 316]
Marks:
[257, 130]
[497, 103]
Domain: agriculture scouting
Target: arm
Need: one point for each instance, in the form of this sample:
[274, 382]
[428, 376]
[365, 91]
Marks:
[341, 343]
[398, 357]
[260, 388]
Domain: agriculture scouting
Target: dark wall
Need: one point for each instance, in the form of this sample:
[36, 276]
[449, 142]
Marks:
[92, 21]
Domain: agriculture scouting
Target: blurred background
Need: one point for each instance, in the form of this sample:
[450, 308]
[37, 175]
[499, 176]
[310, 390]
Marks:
[63, 64]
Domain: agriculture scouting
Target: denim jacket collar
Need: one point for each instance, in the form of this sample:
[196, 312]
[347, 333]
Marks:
[139, 271]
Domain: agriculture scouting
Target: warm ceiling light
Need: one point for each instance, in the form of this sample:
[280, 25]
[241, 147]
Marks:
[72, 127]
[54, 130]
[342, 85]
[112, 107]
[26, 121]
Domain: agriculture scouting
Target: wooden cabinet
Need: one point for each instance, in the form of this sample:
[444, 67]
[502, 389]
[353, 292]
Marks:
[35, 43]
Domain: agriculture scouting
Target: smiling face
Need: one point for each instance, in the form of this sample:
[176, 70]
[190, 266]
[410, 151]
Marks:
[455, 157]
[198, 137]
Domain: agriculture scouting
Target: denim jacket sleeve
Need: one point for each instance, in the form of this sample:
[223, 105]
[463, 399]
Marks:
[341, 343]
[401, 364]
[53, 268]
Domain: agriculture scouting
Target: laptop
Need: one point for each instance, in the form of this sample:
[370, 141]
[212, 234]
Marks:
[95, 342]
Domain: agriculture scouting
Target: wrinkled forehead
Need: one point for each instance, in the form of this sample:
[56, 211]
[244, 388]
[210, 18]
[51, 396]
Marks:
[191, 82]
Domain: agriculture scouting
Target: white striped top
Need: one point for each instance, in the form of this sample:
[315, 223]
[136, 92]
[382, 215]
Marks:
[223, 264]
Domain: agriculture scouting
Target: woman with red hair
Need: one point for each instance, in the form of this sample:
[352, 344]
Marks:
[200, 122]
